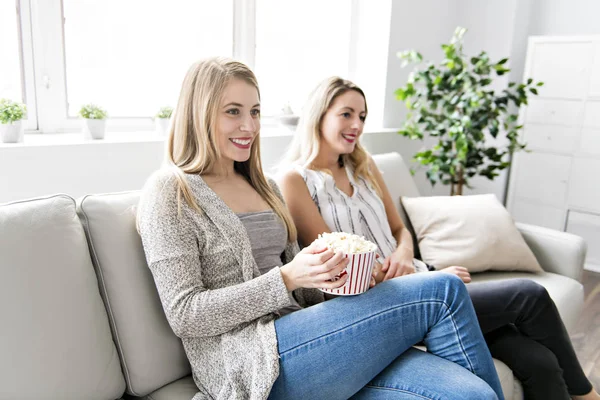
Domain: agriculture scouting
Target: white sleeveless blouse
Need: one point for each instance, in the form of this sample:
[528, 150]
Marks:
[363, 213]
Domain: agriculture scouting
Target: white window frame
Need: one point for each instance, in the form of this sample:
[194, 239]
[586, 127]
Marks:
[42, 23]
[26, 63]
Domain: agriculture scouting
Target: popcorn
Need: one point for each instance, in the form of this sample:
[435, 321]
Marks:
[346, 243]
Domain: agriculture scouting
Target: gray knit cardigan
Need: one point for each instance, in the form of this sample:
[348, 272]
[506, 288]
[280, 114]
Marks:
[212, 292]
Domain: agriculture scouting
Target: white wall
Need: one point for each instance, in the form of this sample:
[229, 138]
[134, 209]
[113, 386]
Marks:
[565, 17]
[78, 169]
[420, 25]
[110, 166]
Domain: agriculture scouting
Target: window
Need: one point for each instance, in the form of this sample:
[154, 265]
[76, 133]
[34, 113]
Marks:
[131, 61]
[11, 80]
[130, 56]
[298, 44]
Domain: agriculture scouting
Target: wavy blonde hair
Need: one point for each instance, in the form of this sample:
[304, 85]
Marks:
[191, 144]
[306, 144]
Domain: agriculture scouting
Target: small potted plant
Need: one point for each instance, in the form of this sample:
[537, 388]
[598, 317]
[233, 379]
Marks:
[162, 119]
[287, 116]
[11, 121]
[94, 121]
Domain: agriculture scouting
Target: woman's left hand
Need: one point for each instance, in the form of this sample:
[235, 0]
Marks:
[378, 275]
[398, 264]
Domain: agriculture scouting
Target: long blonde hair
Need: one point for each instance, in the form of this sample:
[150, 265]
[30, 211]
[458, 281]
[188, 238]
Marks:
[306, 144]
[191, 144]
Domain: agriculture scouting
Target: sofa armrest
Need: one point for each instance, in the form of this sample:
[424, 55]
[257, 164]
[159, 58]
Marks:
[559, 252]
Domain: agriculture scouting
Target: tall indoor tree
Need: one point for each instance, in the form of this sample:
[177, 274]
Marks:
[453, 102]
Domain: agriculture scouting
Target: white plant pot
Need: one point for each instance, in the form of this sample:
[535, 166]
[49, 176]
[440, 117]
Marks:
[162, 126]
[12, 132]
[94, 128]
[288, 120]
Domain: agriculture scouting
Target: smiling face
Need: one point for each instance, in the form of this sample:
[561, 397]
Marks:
[238, 120]
[343, 123]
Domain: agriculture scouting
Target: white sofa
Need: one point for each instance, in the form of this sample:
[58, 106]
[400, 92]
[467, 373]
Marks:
[82, 318]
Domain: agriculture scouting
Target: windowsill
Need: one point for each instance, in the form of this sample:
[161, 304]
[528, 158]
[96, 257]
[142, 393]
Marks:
[74, 139]
[35, 139]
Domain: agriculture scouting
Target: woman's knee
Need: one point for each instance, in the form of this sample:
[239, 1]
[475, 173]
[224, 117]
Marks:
[543, 366]
[450, 282]
[437, 284]
[529, 360]
[532, 290]
[424, 375]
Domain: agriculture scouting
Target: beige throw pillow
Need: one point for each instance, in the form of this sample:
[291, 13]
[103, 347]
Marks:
[475, 232]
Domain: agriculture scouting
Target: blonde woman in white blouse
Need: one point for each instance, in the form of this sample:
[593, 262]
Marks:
[330, 183]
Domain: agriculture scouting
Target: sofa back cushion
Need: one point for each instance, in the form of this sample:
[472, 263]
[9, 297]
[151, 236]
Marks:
[397, 176]
[399, 182]
[55, 339]
[474, 231]
[151, 355]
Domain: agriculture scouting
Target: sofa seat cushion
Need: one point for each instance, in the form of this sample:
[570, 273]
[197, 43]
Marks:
[566, 292]
[151, 354]
[185, 389]
[56, 340]
[507, 379]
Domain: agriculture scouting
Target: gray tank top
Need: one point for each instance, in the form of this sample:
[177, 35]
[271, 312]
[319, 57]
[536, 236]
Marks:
[268, 237]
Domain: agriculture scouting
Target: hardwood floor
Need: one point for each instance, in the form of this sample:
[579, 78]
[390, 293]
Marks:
[586, 335]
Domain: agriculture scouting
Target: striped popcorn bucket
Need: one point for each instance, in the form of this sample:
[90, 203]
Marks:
[359, 270]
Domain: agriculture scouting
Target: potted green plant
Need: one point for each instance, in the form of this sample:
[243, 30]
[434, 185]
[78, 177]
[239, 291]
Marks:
[453, 103]
[162, 119]
[94, 121]
[287, 117]
[11, 121]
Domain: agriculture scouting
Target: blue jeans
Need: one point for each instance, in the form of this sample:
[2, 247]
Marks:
[360, 346]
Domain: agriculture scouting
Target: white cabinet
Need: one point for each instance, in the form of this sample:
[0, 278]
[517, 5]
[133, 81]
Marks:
[546, 178]
[557, 183]
[553, 62]
[551, 111]
[538, 214]
[590, 133]
[551, 138]
[584, 185]
[595, 76]
[586, 225]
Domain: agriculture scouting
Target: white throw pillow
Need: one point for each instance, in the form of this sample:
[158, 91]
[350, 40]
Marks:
[475, 232]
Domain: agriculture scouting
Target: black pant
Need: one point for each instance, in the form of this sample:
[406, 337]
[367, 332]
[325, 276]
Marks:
[524, 330]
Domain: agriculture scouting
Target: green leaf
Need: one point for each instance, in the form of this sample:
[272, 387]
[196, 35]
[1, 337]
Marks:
[400, 94]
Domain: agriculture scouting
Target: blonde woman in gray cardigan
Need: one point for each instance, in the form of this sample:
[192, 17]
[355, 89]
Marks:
[222, 248]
